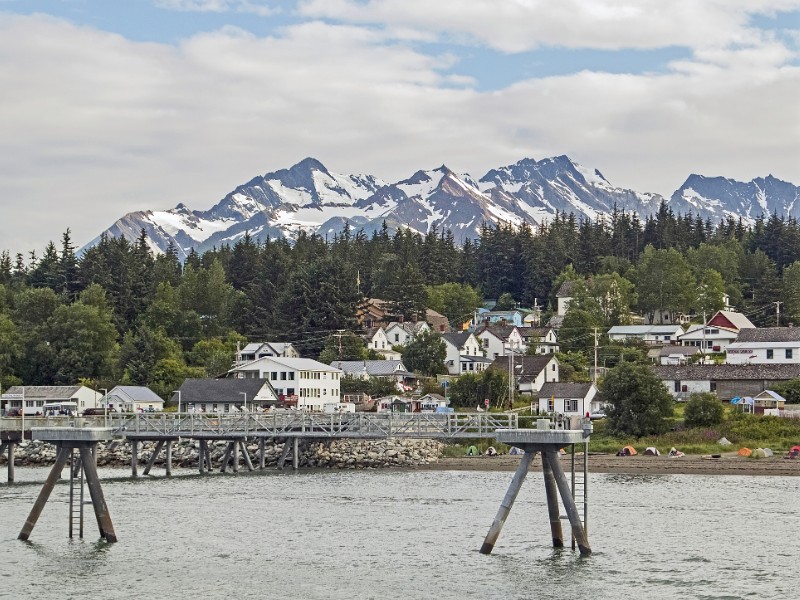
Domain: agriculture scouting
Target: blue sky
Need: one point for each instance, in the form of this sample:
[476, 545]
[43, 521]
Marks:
[140, 104]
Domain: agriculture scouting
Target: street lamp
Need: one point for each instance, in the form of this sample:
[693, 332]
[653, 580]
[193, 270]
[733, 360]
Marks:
[245, 399]
[179, 399]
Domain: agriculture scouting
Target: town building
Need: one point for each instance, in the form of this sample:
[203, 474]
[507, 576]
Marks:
[569, 399]
[765, 345]
[132, 398]
[464, 353]
[35, 397]
[225, 395]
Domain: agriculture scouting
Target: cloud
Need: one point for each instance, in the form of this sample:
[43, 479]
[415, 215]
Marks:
[93, 125]
[523, 25]
[263, 9]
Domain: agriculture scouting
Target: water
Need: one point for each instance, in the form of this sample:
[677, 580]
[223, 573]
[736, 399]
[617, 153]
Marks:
[385, 535]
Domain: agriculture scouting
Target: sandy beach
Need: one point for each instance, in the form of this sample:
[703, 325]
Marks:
[727, 464]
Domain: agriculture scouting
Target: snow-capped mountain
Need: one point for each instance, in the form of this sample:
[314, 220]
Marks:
[309, 197]
[718, 198]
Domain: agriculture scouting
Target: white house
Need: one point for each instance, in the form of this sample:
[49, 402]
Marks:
[369, 369]
[225, 395]
[462, 345]
[36, 396]
[571, 399]
[498, 340]
[258, 350]
[399, 334]
[675, 355]
[649, 334]
[710, 339]
[542, 339]
[313, 383]
[767, 345]
[133, 398]
[530, 372]
[378, 340]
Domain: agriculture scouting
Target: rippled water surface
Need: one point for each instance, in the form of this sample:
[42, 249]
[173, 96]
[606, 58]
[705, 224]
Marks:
[383, 535]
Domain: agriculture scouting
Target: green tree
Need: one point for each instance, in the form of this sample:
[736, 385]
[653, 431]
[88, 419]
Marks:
[11, 348]
[710, 290]
[664, 282]
[791, 293]
[505, 302]
[456, 301]
[215, 355]
[344, 345]
[472, 389]
[638, 404]
[425, 354]
[703, 410]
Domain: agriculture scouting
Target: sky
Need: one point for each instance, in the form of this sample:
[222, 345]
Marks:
[109, 107]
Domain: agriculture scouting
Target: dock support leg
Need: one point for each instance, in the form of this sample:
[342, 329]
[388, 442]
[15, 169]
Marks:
[209, 466]
[134, 458]
[246, 455]
[169, 459]
[551, 490]
[507, 503]
[201, 457]
[235, 447]
[153, 457]
[296, 454]
[98, 500]
[262, 452]
[284, 453]
[11, 447]
[226, 458]
[3, 447]
[47, 488]
[569, 502]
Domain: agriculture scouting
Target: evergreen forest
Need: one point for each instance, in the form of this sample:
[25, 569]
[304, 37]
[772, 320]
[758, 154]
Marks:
[118, 313]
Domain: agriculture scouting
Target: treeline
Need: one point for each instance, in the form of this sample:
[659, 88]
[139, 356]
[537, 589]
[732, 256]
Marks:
[119, 313]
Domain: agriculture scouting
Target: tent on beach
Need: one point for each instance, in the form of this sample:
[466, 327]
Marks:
[652, 451]
[627, 451]
[744, 452]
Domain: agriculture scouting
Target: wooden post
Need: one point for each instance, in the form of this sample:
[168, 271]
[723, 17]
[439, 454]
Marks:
[235, 446]
[226, 458]
[153, 457]
[262, 452]
[201, 457]
[98, 500]
[11, 447]
[169, 458]
[134, 458]
[2, 448]
[284, 453]
[246, 455]
[44, 494]
[209, 467]
[296, 454]
[552, 503]
[507, 503]
[569, 502]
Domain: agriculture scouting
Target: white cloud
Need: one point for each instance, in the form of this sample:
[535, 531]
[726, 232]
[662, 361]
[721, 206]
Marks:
[93, 125]
[263, 9]
[520, 25]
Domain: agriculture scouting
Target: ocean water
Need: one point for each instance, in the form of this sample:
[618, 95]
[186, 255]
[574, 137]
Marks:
[403, 534]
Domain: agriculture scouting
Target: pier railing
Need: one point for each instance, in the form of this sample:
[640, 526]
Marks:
[284, 424]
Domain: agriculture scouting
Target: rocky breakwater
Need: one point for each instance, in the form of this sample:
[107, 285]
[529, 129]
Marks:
[328, 454]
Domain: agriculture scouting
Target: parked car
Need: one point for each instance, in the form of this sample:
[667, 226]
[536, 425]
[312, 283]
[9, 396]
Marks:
[94, 411]
[13, 412]
[597, 415]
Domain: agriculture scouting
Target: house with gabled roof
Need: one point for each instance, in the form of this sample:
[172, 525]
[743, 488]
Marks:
[730, 320]
[568, 398]
[36, 396]
[531, 372]
[311, 383]
[399, 334]
[372, 369]
[649, 334]
[463, 353]
[539, 340]
[257, 350]
[226, 395]
[765, 345]
[721, 330]
[133, 398]
[499, 340]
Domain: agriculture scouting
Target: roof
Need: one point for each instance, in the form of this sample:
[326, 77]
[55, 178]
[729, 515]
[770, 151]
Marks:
[136, 393]
[531, 332]
[682, 350]
[565, 290]
[769, 334]
[412, 327]
[298, 364]
[771, 394]
[437, 321]
[565, 390]
[44, 392]
[727, 372]
[197, 391]
[499, 331]
[456, 339]
[374, 368]
[736, 319]
[524, 366]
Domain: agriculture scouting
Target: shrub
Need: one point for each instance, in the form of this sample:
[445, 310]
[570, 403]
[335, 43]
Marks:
[704, 410]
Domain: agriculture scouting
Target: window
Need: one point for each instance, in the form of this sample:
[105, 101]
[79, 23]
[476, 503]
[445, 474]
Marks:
[291, 375]
[550, 406]
[770, 353]
[396, 337]
[290, 392]
[677, 387]
[788, 353]
[283, 375]
[273, 376]
[571, 405]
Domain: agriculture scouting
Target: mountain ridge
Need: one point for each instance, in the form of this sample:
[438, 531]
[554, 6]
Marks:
[308, 196]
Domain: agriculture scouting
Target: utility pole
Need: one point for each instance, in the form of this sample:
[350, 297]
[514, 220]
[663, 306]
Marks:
[338, 334]
[777, 313]
[510, 377]
[594, 378]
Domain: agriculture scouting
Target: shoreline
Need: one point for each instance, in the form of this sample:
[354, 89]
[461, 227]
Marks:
[727, 464]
